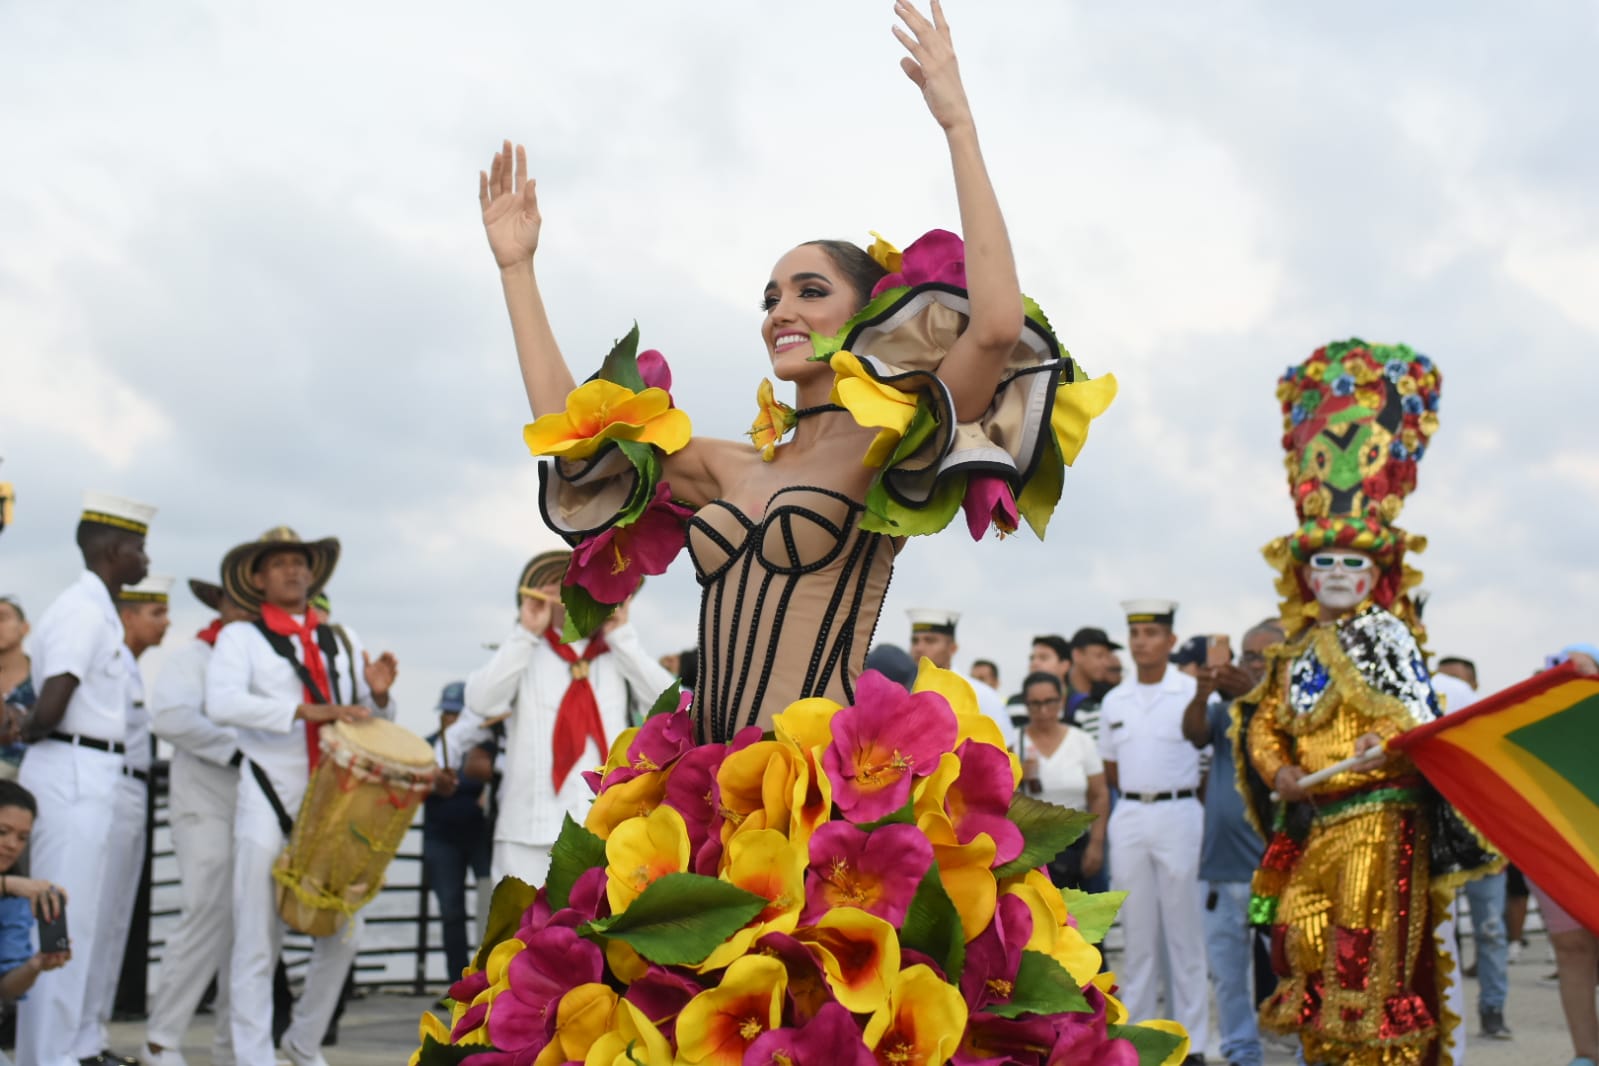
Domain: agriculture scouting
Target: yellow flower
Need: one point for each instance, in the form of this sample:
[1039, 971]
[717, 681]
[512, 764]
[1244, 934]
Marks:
[872, 404]
[967, 870]
[631, 1041]
[583, 1016]
[1052, 935]
[806, 723]
[642, 850]
[1076, 405]
[499, 966]
[859, 954]
[599, 411]
[1115, 1013]
[1165, 1025]
[971, 722]
[429, 1025]
[922, 1022]
[762, 861]
[630, 799]
[718, 1025]
[887, 256]
[759, 785]
[773, 420]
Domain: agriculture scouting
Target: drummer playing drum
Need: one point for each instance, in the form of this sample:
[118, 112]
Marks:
[278, 679]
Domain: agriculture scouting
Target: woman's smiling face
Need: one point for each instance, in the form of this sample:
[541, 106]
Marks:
[808, 294]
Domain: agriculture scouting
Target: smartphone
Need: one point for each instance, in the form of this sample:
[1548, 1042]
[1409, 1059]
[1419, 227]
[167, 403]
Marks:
[53, 933]
[1218, 650]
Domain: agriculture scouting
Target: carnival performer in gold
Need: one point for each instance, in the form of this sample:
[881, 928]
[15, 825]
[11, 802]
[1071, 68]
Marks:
[1363, 860]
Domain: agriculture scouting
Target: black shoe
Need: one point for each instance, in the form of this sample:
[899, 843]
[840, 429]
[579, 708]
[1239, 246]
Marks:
[1195, 1059]
[1470, 969]
[1493, 1025]
[109, 1058]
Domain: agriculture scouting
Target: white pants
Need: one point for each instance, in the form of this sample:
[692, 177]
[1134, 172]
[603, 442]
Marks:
[1157, 864]
[198, 948]
[526, 862]
[76, 789]
[124, 867]
[258, 940]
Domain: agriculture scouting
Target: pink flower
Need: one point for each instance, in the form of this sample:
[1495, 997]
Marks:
[881, 743]
[936, 257]
[877, 872]
[653, 369]
[556, 961]
[978, 800]
[1080, 1039]
[989, 500]
[661, 994]
[993, 958]
[832, 1037]
[609, 565]
[659, 743]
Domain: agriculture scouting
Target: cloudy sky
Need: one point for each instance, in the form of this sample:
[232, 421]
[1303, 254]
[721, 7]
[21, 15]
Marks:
[242, 276]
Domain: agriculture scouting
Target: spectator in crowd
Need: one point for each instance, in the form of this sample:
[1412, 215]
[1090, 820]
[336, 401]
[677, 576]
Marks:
[1461, 669]
[1065, 764]
[1051, 654]
[933, 638]
[986, 672]
[16, 690]
[1157, 826]
[1190, 655]
[23, 900]
[1093, 655]
[1231, 850]
[1114, 671]
[894, 663]
[74, 765]
[454, 834]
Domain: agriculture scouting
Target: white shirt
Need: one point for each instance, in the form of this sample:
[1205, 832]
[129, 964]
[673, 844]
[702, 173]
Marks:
[203, 781]
[81, 634]
[527, 675]
[137, 736]
[1141, 731]
[251, 687]
[1064, 772]
[1453, 693]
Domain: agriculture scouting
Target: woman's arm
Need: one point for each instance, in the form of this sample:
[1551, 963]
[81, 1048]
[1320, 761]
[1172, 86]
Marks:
[972, 367]
[1099, 807]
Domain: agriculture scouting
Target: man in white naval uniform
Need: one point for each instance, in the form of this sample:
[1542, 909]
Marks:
[544, 692]
[1157, 827]
[74, 766]
[278, 698]
[201, 797]
[933, 638]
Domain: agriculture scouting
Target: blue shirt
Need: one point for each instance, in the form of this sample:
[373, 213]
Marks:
[22, 696]
[457, 816]
[1231, 850]
[16, 933]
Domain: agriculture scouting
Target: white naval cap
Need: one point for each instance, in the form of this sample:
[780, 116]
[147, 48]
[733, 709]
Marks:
[1161, 612]
[933, 620]
[106, 510]
[155, 588]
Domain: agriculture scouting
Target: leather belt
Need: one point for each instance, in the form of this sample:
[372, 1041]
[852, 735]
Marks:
[137, 775]
[115, 747]
[1156, 797]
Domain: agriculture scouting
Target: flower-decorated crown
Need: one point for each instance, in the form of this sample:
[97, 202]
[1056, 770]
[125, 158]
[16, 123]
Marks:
[1357, 419]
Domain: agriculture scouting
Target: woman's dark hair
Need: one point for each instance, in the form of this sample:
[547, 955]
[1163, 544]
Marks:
[14, 795]
[1040, 677]
[15, 606]
[862, 270]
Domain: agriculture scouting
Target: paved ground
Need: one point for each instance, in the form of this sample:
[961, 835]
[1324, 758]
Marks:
[380, 1030]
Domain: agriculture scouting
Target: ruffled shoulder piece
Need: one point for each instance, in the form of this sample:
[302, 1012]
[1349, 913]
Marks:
[1005, 467]
[603, 492]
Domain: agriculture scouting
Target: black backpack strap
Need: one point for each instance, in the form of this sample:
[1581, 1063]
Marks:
[285, 649]
[330, 655]
[349, 653]
[285, 823]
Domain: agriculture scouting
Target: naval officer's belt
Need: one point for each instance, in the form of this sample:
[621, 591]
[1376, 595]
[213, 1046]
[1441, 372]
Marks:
[115, 747]
[1156, 797]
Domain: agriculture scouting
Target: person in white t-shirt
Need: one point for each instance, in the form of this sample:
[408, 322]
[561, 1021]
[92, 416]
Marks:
[1062, 765]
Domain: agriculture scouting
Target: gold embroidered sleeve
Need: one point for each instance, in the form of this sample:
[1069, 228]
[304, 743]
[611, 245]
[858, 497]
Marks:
[1270, 748]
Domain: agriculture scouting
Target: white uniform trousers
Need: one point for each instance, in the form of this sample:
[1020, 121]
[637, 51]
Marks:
[124, 867]
[529, 863]
[1157, 865]
[198, 948]
[77, 790]
[258, 940]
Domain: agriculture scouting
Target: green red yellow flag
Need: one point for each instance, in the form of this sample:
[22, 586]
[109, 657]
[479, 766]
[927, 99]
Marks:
[1523, 767]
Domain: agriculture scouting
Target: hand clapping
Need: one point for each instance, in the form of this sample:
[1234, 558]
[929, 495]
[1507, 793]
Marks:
[380, 673]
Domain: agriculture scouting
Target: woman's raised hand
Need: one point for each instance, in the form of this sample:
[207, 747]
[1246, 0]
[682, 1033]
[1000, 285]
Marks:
[931, 63]
[510, 207]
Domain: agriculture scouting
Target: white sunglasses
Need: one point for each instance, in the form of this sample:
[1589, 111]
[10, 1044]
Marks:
[1332, 562]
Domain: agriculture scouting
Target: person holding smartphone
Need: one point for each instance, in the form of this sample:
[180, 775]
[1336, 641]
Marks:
[23, 900]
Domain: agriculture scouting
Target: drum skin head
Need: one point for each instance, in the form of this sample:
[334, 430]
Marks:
[383, 741]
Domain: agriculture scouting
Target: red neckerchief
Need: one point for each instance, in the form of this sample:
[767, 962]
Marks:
[578, 719]
[209, 633]
[283, 624]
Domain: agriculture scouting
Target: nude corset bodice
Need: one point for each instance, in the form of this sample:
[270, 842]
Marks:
[789, 604]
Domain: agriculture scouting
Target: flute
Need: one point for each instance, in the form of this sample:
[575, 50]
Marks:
[537, 594]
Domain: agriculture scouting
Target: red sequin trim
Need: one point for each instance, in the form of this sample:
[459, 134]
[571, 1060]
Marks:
[1353, 948]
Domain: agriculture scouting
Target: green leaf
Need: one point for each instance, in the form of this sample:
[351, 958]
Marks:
[1092, 911]
[933, 926]
[884, 514]
[681, 918]
[621, 365]
[512, 897]
[1041, 493]
[1031, 309]
[906, 815]
[922, 425]
[437, 1054]
[584, 614]
[667, 702]
[647, 461]
[1042, 987]
[1154, 1047]
[575, 853]
[1048, 830]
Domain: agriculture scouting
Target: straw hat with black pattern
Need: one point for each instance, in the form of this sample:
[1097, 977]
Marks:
[207, 593]
[245, 559]
[545, 568]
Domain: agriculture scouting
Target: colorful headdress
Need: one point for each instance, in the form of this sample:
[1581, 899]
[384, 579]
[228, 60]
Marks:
[1357, 419]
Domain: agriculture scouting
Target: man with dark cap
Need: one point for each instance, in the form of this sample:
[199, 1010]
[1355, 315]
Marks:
[455, 834]
[78, 727]
[562, 706]
[1093, 654]
[203, 788]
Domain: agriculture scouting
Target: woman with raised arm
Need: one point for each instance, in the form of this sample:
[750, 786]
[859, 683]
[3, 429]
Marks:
[927, 363]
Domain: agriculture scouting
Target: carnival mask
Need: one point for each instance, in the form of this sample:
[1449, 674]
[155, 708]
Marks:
[1340, 579]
